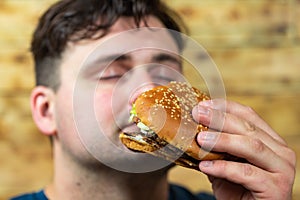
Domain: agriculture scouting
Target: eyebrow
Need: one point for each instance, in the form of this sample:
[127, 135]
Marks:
[107, 59]
[104, 59]
[162, 57]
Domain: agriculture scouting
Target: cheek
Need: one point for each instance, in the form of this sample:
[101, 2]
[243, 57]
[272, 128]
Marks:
[103, 106]
[64, 117]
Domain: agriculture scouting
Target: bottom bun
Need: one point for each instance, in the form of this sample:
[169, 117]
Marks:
[159, 148]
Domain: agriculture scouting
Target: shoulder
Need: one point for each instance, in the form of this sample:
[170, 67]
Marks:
[179, 192]
[40, 195]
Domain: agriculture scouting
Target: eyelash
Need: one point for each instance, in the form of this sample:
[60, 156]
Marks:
[163, 78]
[115, 77]
[103, 78]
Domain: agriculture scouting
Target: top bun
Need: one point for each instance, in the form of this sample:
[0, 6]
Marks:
[167, 111]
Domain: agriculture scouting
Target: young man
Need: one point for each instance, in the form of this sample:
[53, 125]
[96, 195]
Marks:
[65, 37]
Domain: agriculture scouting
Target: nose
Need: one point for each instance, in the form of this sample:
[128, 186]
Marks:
[136, 93]
[142, 81]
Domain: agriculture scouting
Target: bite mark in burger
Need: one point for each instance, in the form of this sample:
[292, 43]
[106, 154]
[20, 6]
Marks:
[167, 129]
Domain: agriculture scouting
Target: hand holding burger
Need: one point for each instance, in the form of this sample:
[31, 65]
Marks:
[167, 129]
[269, 172]
[174, 121]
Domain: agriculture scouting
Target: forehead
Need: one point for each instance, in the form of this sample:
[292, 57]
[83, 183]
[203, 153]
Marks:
[151, 33]
[127, 23]
[123, 37]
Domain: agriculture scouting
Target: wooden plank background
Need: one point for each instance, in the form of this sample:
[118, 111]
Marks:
[254, 43]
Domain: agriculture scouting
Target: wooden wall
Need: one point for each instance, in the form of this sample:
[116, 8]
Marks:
[254, 43]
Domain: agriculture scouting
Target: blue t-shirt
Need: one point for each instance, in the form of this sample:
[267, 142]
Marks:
[32, 196]
[175, 193]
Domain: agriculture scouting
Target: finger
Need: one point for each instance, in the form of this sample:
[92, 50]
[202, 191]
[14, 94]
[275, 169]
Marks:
[242, 111]
[224, 189]
[240, 173]
[251, 149]
[230, 123]
[210, 178]
[220, 120]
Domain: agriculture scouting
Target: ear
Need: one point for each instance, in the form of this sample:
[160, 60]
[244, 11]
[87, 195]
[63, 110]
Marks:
[42, 108]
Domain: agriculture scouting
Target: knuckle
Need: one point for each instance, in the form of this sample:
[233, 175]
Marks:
[290, 156]
[247, 170]
[284, 184]
[249, 126]
[257, 145]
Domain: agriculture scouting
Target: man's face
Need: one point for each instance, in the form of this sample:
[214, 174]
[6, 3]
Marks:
[99, 81]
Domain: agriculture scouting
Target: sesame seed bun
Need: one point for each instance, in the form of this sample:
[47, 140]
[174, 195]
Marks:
[166, 110]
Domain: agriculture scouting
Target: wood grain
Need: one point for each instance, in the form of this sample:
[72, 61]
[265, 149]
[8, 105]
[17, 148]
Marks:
[254, 43]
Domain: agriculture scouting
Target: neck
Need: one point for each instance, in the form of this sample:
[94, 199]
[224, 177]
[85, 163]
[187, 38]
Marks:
[72, 181]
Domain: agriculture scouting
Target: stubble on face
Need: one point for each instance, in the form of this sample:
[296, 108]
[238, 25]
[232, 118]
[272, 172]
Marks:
[68, 132]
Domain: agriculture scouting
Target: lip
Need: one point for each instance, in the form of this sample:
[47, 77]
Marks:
[130, 128]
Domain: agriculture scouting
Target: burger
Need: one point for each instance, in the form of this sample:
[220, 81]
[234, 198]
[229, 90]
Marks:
[166, 127]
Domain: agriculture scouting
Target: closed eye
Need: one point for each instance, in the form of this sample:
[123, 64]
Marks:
[163, 78]
[103, 78]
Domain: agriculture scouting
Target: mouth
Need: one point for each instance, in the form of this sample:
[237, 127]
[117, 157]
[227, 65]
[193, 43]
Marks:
[130, 128]
[137, 142]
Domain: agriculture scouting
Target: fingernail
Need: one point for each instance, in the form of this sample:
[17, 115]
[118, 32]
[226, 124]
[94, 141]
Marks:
[206, 163]
[207, 136]
[207, 103]
[203, 110]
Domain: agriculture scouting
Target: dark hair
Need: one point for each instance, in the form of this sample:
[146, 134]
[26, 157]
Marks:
[73, 20]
